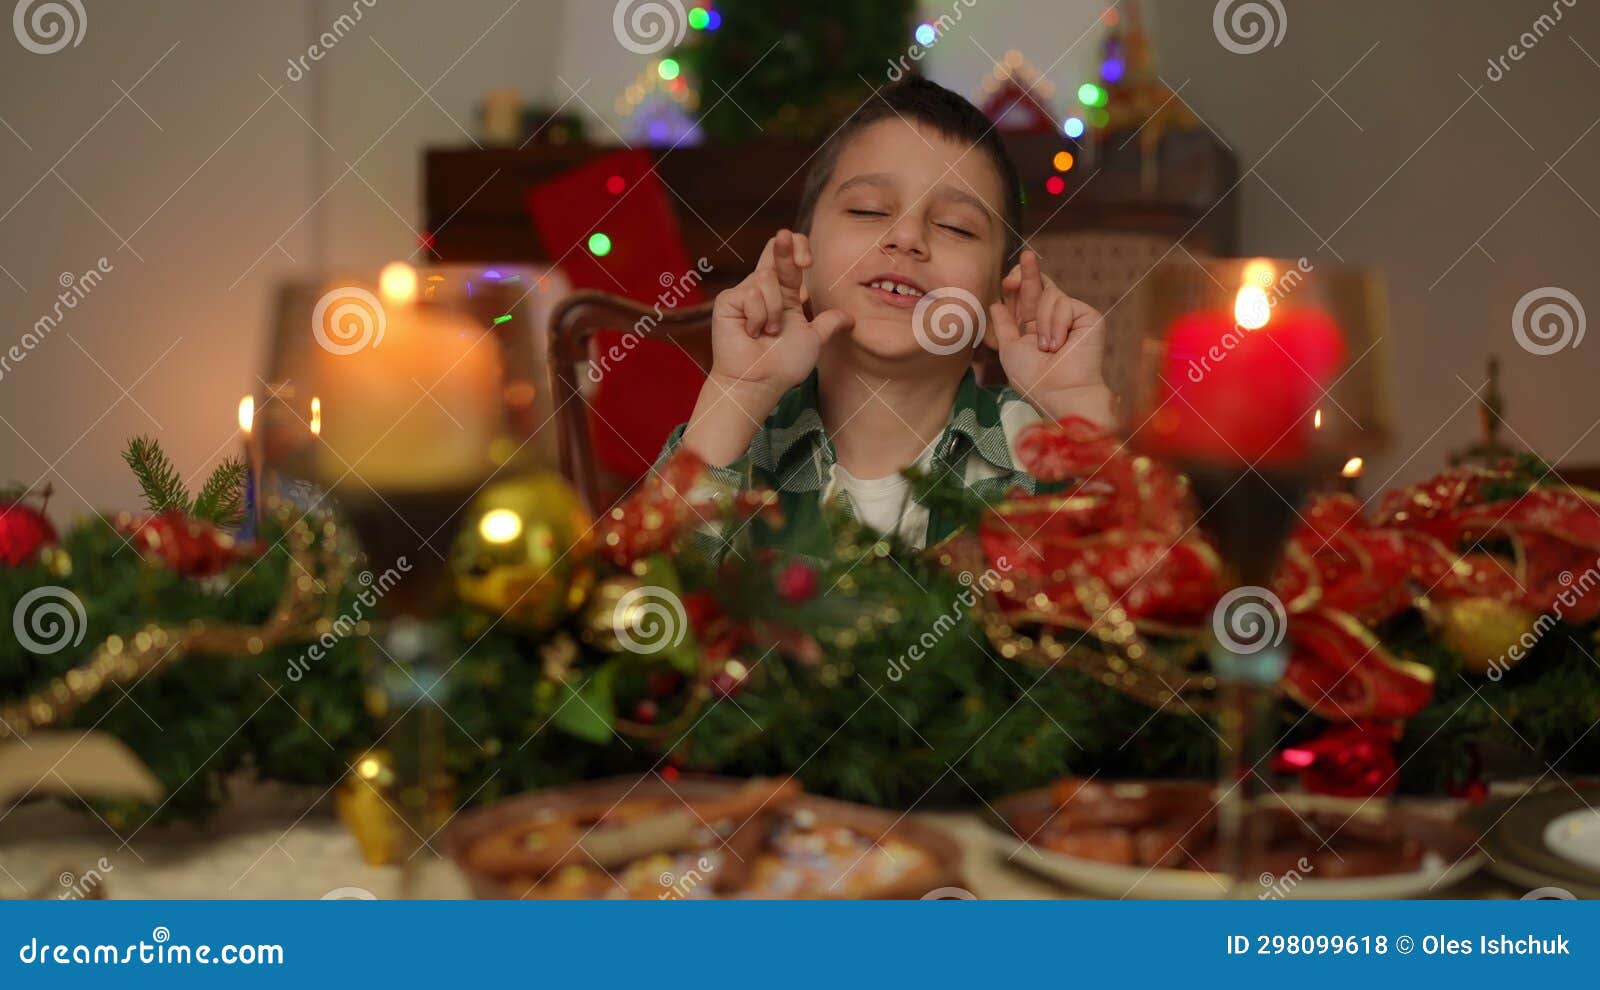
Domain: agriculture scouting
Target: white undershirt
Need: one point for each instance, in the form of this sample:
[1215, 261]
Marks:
[876, 501]
[880, 502]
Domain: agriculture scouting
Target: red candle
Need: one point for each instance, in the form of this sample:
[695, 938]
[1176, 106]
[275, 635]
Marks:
[1245, 386]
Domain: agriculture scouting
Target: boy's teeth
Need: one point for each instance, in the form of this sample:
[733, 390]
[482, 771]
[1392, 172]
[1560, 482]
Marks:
[895, 287]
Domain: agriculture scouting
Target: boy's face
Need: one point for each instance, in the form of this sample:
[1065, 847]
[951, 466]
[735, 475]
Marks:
[907, 205]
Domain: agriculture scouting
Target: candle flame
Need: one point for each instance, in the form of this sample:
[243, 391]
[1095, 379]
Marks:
[247, 413]
[1250, 307]
[316, 416]
[1316, 420]
[1352, 468]
[398, 282]
[1258, 272]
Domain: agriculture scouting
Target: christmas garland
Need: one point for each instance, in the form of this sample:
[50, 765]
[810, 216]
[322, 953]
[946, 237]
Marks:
[873, 673]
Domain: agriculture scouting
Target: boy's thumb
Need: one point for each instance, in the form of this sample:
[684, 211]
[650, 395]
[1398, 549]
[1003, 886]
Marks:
[830, 322]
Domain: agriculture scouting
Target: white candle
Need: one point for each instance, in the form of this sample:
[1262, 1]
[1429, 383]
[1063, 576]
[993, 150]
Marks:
[416, 406]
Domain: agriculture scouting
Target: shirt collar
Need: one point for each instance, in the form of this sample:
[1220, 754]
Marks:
[795, 433]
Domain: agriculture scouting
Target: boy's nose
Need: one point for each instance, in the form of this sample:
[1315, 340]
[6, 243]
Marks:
[904, 238]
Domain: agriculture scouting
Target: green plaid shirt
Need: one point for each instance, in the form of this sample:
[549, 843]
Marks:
[793, 455]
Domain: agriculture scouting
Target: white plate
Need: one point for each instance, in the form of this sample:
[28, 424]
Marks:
[1576, 836]
[1145, 883]
[1142, 883]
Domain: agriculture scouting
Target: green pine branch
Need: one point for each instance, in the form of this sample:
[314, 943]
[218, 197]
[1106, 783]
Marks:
[221, 498]
[158, 479]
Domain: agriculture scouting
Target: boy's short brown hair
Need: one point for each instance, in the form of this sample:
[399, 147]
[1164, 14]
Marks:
[925, 102]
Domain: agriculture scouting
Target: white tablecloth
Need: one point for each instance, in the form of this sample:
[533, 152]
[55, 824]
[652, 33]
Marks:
[274, 842]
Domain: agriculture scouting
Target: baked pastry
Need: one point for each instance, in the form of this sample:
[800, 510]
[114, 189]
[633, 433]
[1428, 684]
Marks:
[762, 839]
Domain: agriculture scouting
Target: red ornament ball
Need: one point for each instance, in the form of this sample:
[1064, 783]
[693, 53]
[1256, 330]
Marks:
[797, 582]
[24, 532]
[646, 712]
[187, 546]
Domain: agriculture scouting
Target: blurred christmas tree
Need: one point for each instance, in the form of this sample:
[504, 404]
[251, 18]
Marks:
[783, 71]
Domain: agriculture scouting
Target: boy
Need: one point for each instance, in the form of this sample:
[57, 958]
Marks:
[832, 373]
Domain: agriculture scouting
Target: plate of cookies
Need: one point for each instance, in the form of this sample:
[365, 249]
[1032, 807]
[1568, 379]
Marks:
[694, 838]
[1158, 840]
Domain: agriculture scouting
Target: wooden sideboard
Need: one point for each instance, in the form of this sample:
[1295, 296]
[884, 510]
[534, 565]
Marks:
[740, 194]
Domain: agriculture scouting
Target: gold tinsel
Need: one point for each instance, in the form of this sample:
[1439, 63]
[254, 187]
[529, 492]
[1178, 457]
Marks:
[122, 660]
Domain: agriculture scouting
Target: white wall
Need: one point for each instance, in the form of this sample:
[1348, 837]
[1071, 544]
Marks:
[214, 196]
[1416, 173]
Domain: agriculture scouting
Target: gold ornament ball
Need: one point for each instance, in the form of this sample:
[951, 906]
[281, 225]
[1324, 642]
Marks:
[526, 551]
[601, 619]
[1486, 633]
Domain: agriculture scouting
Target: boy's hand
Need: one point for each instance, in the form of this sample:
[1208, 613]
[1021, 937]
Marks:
[1051, 345]
[760, 335]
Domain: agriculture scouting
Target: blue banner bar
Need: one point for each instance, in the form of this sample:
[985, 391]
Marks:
[812, 945]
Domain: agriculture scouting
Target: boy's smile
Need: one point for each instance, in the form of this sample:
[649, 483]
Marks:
[895, 289]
